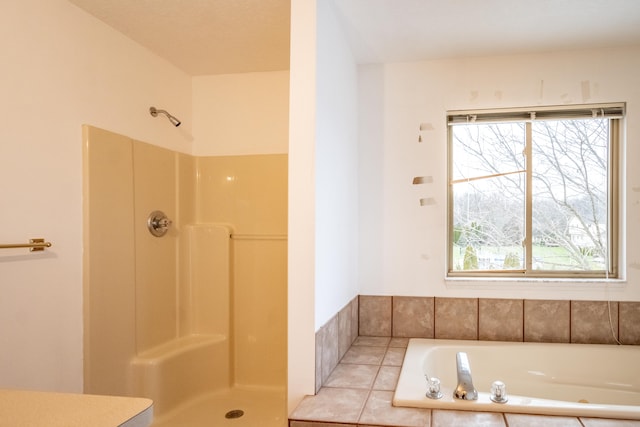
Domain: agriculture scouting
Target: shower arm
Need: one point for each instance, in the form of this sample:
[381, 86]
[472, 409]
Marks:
[174, 120]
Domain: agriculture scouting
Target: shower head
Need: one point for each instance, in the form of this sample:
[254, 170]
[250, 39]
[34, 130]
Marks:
[174, 121]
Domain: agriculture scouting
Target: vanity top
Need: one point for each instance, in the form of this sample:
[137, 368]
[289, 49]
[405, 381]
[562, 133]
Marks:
[48, 409]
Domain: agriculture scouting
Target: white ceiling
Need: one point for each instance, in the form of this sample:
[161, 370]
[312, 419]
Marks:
[205, 37]
[409, 30]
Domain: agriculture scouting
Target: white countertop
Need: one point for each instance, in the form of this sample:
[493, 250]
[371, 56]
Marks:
[21, 408]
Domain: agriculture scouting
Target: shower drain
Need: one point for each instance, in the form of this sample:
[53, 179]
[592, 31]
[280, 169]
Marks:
[236, 413]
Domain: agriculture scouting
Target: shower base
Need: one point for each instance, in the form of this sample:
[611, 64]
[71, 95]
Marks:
[265, 407]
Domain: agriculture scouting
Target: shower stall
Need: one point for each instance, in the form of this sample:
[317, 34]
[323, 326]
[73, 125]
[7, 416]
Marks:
[185, 280]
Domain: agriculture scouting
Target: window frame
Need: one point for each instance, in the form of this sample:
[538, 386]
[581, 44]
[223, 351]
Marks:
[615, 112]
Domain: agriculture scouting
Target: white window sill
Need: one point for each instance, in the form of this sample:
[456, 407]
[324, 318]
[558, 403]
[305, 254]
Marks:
[530, 283]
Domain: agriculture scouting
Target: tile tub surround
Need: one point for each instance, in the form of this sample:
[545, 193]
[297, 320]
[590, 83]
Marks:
[360, 389]
[487, 319]
[333, 340]
[355, 386]
[492, 319]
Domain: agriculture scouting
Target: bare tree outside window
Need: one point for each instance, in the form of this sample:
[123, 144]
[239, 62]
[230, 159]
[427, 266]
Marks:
[489, 194]
[561, 223]
[570, 159]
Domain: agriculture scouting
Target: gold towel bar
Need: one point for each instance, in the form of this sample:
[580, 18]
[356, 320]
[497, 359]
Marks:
[34, 245]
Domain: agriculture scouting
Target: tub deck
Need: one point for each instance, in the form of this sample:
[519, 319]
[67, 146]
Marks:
[541, 378]
[360, 391]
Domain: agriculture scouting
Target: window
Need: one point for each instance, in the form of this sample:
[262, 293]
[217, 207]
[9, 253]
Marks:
[533, 193]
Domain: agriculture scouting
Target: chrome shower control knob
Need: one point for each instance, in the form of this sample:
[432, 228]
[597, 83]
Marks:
[158, 223]
[499, 392]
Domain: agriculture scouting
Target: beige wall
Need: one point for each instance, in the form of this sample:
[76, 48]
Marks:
[241, 114]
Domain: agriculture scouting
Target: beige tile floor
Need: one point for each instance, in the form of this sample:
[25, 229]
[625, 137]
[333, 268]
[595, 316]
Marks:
[360, 389]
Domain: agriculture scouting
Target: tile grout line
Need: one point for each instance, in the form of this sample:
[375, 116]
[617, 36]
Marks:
[524, 323]
[618, 318]
[391, 318]
[366, 400]
[477, 319]
[434, 318]
[571, 322]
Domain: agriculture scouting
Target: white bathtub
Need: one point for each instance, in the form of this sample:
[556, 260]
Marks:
[181, 370]
[551, 379]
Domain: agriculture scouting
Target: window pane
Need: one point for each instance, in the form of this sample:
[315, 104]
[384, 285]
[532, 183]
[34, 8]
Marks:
[488, 196]
[488, 227]
[487, 149]
[570, 191]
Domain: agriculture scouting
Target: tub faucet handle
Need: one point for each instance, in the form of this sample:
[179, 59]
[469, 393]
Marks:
[498, 392]
[433, 390]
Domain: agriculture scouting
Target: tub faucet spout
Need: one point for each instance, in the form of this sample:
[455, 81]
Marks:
[465, 389]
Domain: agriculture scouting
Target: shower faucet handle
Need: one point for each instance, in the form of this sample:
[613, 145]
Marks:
[158, 223]
[163, 222]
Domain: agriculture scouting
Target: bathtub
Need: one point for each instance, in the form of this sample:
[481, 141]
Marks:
[548, 379]
[172, 374]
